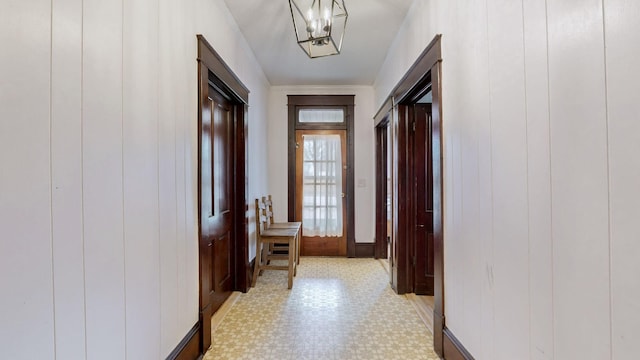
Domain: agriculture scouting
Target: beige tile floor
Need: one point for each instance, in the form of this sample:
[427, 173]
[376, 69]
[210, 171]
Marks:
[338, 309]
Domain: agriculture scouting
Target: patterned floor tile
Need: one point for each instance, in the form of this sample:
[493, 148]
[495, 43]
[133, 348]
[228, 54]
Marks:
[338, 309]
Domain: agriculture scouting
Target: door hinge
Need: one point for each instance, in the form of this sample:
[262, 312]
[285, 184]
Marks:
[414, 126]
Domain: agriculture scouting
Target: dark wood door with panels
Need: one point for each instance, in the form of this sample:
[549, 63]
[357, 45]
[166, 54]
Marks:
[222, 188]
[216, 182]
[423, 199]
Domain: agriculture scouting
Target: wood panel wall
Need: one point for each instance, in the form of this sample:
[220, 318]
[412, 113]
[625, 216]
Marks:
[540, 142]
[98, 141]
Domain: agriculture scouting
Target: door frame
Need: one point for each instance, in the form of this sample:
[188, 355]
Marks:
[328, 101]
[381, 173]
[213, 71]
[394, 113]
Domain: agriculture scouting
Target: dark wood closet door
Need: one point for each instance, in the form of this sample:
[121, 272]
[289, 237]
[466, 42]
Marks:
[221, 221]
[423, 197]
[217, 222]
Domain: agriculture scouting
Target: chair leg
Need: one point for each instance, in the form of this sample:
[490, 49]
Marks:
[298, 247]
[295, 255]
[265, 254]
[270, 246]
[292, 260]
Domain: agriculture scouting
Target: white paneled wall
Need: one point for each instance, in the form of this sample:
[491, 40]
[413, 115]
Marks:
[623, 112]
[141, 181]
[258, 160]
[169, 155]
[509, 175]
[540, 260]
[66, 177]
[364, 166]
[540, 109]
[26, 275]
[98, 146]
[579, 178]
[103, 179]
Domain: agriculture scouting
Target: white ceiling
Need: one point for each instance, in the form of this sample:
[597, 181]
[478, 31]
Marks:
[371, 27]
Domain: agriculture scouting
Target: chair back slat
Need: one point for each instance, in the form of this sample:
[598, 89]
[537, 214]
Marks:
[261, 218]
[268, 203]
[258, 231]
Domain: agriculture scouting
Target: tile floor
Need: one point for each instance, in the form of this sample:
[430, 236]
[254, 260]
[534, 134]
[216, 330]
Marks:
[338, 309]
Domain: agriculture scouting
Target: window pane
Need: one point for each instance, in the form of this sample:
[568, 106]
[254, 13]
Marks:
[322, 201]
[309, 170]
[321, 116]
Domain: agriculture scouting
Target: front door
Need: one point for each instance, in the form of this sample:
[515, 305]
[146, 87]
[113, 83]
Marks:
[321, 164]
[423, 200]
[216, 191]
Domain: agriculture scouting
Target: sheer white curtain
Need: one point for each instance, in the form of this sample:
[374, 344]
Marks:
[322, 186]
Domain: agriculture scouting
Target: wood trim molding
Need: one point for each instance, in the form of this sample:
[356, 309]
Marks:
[429, 57]
[241, 208]
[214, 62]
[348, 101]
[381, 193]
[438, 201]
[291, 160]
[402, 203]
[320, 100]
[365, 250]
[189, 347]
[382, 116]
[453, 348]
[351, 194]
[251, 266]
[411, 79]
[438, 323]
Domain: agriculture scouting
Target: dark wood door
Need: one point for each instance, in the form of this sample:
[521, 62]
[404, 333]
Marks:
[383, 192]
[216, 191]
[423, 200]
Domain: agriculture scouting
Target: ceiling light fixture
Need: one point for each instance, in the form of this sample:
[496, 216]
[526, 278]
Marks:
[319, 25]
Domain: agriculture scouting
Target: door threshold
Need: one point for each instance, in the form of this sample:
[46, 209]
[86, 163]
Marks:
[385, 264]
[219, 315]
[424, 307]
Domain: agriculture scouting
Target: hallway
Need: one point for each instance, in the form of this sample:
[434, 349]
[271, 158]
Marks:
[100, 208]
[338, 309]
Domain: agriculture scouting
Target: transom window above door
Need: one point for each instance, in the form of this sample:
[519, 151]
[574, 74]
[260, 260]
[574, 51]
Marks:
[322, 116]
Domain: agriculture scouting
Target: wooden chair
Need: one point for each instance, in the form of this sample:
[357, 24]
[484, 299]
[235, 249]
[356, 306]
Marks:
[268, 208]
[267, 236]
